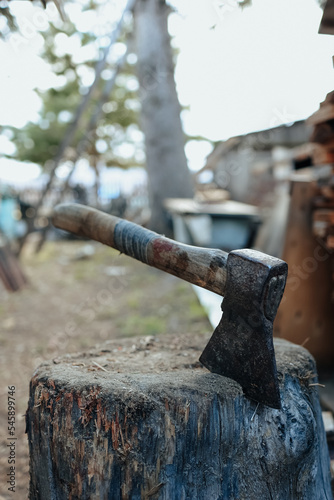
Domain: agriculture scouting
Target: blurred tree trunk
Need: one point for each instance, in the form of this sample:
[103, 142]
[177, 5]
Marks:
[169, 176]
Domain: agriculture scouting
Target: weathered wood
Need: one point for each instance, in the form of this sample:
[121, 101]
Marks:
[142, 420]
[11, 273]
[204, 267]
[306, 311]
[166, 162]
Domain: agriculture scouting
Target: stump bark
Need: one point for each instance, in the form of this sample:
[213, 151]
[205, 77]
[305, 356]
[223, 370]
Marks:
[141, 419]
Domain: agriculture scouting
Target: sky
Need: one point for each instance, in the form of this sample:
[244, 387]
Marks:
[256, 68]
[238, 70]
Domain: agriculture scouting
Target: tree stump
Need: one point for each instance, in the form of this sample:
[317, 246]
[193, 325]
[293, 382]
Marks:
[141, 419]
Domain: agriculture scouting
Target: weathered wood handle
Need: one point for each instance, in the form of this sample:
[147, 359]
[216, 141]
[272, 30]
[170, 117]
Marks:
[204, 267]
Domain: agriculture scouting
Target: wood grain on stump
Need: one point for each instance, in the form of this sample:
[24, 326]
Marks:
[141, 419]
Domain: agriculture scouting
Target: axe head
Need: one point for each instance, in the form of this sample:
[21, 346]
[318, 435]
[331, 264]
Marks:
[241, 346]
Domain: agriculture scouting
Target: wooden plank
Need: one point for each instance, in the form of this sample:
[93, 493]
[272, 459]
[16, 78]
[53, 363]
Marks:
[306, 311]
[11, 273]
[322, 155]
[323, 226]
[323, 133]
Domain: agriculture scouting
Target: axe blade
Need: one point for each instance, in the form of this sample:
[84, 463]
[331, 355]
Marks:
[251, 282]
[241, 346]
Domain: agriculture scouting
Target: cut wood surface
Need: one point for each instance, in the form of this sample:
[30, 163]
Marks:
[141, 419]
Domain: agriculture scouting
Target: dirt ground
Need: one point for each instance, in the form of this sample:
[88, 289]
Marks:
[79, 294]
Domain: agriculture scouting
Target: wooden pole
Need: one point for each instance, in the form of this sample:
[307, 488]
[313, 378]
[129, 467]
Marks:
[11, 273]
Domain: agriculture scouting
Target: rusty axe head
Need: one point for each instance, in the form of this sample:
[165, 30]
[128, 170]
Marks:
[241, 346]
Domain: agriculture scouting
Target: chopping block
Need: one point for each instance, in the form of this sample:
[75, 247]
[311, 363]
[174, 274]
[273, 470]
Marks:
[142, 419]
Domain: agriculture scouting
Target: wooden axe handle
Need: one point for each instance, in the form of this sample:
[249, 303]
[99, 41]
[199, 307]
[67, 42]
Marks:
[204, 267]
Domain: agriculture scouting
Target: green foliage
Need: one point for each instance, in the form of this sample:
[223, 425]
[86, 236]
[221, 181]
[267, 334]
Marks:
[39, 142]
[116, 141]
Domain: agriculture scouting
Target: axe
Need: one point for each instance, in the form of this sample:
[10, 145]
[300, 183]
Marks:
[251, 282]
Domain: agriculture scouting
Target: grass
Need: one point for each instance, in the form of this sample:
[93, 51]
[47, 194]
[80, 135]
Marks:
[136, 324]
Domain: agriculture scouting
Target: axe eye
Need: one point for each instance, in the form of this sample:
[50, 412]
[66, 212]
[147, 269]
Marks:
[273, 296]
